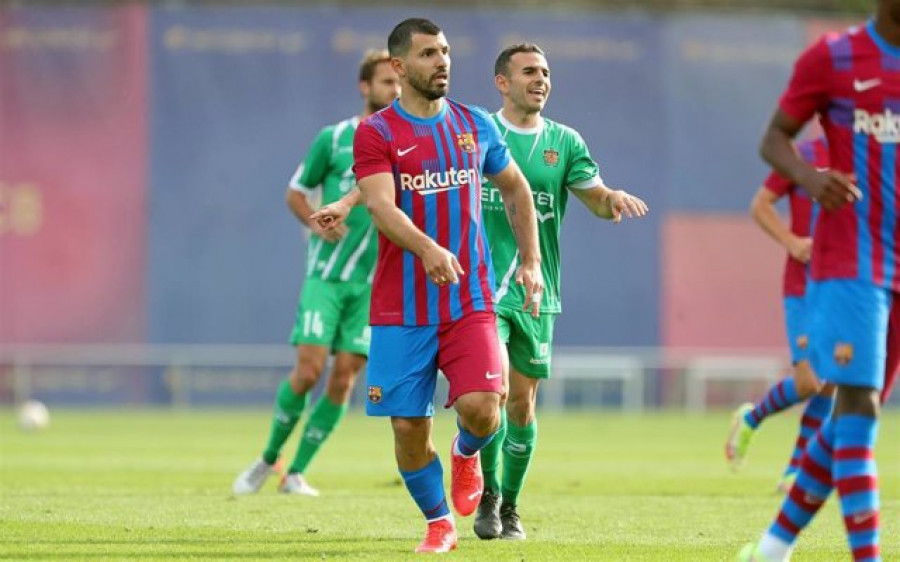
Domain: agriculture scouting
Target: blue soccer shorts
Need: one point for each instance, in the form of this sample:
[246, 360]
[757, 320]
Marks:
[849, 336]
[404, 360]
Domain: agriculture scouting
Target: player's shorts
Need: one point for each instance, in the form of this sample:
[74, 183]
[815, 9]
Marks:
[849, 334]
[404, 361]
[796, 322]
[529, 341]
[333, 314]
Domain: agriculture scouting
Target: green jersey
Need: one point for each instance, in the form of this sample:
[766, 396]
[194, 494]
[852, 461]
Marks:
[554, 159]
[328, 167]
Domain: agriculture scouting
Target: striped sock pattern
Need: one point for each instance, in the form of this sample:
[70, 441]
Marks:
[811, 489]
[856, 479]
[782, 395]
[817, 409]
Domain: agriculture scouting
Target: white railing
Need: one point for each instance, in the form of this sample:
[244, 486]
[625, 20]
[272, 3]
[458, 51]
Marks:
[643, 375]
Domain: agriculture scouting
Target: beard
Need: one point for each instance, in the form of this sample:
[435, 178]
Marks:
[424, 87]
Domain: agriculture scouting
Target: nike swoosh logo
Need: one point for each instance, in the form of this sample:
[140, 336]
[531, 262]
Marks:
[493, 376]
[437, 190]
[407, 151]
[863, 517]
[474, 495]
[544, 217]
[863, 85]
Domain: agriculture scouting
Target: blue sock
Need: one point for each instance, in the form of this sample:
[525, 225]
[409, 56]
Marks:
[818, 408]
[781, 396]
[426, 486]
[468, 444]
[856, 480]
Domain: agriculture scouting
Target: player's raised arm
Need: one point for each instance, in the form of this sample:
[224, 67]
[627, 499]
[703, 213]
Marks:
[440, 264]
[763, 211]
[517, 199]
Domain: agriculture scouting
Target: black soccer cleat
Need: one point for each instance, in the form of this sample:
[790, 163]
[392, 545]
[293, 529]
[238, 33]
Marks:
[511, 525]
[487, 518]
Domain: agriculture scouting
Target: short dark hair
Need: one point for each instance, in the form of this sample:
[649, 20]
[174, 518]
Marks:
[401, 37]
[501, 66]
[370, 61]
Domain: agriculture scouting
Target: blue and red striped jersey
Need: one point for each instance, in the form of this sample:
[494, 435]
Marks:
[437, 164]
[852, 81]
[802, 209]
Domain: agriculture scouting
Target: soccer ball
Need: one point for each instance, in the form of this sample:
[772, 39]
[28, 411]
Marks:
[33, 415]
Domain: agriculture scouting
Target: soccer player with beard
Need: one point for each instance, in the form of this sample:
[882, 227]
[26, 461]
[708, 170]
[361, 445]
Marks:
[419, 165]
[556, 162]
[332, 314]
[851, 81]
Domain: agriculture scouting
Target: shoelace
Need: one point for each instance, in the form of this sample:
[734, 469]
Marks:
[465, 472]
[435, 532]
[510, 514]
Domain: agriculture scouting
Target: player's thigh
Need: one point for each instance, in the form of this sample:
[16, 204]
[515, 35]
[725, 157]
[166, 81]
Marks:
[318, 313]
[847, 340]
[531, 344]
[353, 333]
[469, 355]
[402, 371]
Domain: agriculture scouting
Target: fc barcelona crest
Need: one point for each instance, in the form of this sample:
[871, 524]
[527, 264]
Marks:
[551, 157]
[802, 341]
[843, 354]
[374, 394]
[466, 142]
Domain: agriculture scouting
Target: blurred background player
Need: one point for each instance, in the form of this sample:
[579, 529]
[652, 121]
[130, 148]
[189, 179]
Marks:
[554, 160]
[419, 165]
[850, 81]
[803, 384]
[333, 312]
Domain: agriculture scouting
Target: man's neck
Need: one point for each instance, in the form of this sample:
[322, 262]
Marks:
[420, 106]
[521, 118]
[887, 28]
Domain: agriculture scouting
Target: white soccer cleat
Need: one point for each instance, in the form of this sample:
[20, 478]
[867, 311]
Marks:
[295, 483]
[252, 479]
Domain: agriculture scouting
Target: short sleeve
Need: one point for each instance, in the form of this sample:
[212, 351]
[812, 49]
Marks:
[496, 156]
[807, 91]
[314, 167]
[583, 172]
[371, 152]
[778, 184]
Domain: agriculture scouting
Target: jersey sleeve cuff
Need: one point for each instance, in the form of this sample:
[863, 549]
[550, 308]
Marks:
[591, 182]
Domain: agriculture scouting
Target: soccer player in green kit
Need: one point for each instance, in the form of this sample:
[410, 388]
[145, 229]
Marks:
[555, 160]
[333, 312]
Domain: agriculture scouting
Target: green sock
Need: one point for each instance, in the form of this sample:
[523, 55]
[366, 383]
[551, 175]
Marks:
[518, 447]
[324, 418]
[288, 407]
[490, 457]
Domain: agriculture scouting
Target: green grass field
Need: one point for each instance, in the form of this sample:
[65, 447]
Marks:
[155, 485]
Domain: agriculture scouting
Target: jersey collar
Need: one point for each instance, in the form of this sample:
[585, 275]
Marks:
[536, 130]
[883, 45]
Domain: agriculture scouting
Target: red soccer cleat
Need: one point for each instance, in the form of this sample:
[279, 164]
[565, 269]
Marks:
[440, 537]
[467, 482]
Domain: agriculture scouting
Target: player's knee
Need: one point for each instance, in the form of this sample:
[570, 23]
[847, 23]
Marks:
[806, 386]
[480, 412]
[520, 412]
[855, 400]
[306, 374]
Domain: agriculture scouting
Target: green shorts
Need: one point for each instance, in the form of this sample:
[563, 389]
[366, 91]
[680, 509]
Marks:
[529, 341]
[333, 314]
